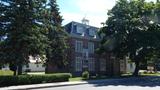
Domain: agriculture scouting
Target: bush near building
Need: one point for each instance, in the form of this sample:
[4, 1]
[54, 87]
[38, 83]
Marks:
[85, 75]
[33, 79]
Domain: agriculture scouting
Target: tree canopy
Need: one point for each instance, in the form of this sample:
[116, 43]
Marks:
[57, 36]
[132, 29]
[21, 31]
[31, 27]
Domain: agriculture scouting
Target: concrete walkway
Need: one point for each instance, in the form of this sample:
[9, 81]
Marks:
[46, 85]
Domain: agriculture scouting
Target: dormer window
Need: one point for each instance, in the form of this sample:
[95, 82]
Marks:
[91, 32]
[79, 29]
[95, 36]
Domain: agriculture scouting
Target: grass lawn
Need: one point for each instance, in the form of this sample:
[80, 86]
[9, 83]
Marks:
[142, 74]
[5, 72]
[91, 78]
[76, 79]
[150, 74]
[35, 73]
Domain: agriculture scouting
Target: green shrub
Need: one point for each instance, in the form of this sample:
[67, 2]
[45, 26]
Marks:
[36, 79]
[8, 80]
[33, 79]
[23, 79]
[85, 75]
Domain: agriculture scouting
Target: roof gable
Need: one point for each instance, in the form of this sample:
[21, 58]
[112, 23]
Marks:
[82, 30]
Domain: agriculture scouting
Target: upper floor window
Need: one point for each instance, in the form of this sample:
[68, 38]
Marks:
[79, 29]
[91, 47]
[91, 32]
[91, 64]
[102, 65]
[78, 46]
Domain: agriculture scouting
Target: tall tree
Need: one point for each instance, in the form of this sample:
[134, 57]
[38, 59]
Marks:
[56, 55]
[24, 31]
[130, 31]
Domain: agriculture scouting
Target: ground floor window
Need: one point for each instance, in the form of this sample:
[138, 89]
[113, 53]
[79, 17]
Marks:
[91, 64]
[78, 64]
[102, 65]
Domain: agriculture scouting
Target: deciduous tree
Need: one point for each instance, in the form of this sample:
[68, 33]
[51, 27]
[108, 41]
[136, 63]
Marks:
[131, 31]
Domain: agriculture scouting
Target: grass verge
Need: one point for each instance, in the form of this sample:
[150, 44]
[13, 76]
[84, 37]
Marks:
[5, 72]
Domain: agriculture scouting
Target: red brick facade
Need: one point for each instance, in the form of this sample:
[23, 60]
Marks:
[86, 58]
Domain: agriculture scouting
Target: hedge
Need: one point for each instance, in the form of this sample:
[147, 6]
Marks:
[33, 79]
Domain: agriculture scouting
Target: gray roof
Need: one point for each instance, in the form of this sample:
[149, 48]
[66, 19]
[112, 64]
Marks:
[71, 28]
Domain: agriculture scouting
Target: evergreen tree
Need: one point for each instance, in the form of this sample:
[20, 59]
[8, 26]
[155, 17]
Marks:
[24, 31]
[56, 55]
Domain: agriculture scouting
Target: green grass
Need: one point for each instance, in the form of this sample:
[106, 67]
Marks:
[76, 79]
[150, 74]
[35, 73]
[5, 72]
[91, 78]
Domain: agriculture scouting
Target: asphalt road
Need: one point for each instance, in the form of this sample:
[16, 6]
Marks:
[140, 83]
[92, 87]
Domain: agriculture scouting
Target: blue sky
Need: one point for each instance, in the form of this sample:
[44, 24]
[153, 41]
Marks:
[94, 10]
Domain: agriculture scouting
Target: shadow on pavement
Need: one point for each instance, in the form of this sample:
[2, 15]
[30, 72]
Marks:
[150, 81]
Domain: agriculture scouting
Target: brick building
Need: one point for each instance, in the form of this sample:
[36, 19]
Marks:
[83, 41]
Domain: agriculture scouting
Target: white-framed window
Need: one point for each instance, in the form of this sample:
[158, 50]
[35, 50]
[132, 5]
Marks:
[91, 47]
[91, 64]
[102, 65]
[78, 46]
[78, 64]
[79, 29]
[91, 32]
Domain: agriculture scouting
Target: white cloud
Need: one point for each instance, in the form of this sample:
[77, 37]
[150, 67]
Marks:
[68, 17]
[95, 6]
[95, 20]
[94, 10]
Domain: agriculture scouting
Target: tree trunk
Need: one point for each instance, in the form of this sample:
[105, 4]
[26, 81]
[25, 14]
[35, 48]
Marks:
[46, 69]
[15, 72]
[19, 69]
[136, 69]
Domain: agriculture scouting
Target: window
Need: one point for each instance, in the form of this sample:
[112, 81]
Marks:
[91, 32]
[37, 65]
[27, 66]
[85, 63]
[79, 29]
[78, 64]
[91, 47]
[79, 46]
[91, 64]
[102, 65]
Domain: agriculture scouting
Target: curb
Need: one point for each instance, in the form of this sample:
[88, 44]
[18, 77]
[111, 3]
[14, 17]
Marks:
[51, 86]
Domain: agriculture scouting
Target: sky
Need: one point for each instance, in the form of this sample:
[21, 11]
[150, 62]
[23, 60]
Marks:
[93, 10]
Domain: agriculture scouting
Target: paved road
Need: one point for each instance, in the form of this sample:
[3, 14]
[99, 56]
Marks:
[92, 87]
[141, 83]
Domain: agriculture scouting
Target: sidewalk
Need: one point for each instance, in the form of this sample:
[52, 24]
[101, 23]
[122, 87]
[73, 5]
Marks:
[36, 86]
[58, 84]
